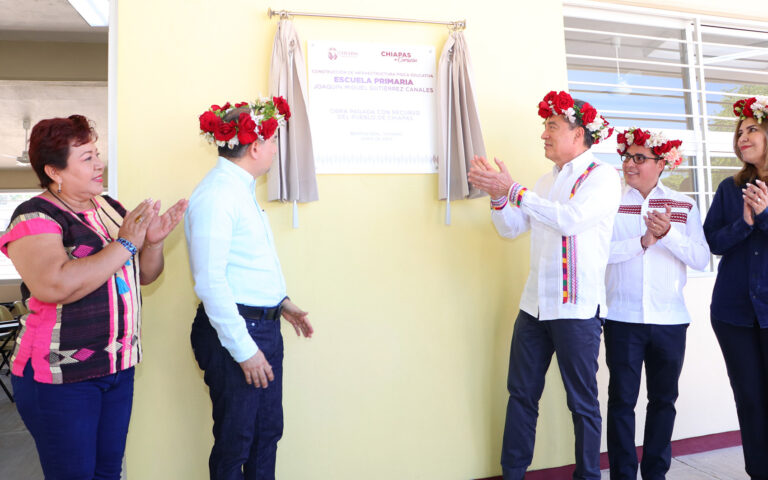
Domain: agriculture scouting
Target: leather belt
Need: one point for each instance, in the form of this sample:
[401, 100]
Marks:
[261, 313]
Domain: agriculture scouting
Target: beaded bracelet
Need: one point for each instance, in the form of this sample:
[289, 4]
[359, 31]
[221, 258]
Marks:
[515, 194]
[128, 245]
[499, 203]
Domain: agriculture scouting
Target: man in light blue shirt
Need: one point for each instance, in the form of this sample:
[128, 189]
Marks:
[236, 333]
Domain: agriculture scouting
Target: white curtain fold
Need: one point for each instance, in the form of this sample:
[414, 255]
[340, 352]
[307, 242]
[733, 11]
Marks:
[292, 176]
[459, 130]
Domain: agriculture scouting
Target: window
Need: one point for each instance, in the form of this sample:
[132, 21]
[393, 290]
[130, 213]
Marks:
[9, 200]
[672, 71]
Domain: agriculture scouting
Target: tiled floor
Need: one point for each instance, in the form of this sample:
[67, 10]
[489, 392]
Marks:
[18, 457]
[726, 464]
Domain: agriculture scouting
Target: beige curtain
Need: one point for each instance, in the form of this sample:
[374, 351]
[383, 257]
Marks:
[292, 177]
[459, 130]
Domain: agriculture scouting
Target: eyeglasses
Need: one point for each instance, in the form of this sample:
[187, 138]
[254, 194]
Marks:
[638, 158]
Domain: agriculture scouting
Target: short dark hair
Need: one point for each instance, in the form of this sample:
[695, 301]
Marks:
[50, 140]
[238, 150]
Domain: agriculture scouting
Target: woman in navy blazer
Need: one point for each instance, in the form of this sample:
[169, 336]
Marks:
[736, 227]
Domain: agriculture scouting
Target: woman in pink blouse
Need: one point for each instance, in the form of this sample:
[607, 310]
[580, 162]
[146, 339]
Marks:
[82, 258]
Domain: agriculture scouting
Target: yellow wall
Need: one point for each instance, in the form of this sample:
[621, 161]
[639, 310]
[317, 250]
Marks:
[52, 61]
[405, 377]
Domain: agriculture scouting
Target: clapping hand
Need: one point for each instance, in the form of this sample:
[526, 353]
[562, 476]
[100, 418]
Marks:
[484, 177]
[162, 225]
[658, 224]
[755, 200]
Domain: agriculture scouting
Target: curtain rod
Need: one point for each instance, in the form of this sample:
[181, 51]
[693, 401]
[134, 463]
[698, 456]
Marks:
[457, 25]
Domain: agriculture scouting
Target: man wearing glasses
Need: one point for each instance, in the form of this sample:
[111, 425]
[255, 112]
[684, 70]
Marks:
[656, 235]
[569, 213]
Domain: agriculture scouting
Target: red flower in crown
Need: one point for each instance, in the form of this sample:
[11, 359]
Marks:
[282, 106]
[544, 110]
[747, 110]
[225, 131]
[267, 128]
[656, 142]
[738, 107]
[562, 102]
[260, 122]
[217, 108]
[754, 107]
[209, 121]
[550, 97]
[588, 113]
[621, 139]
[246, 129]
[641, 136]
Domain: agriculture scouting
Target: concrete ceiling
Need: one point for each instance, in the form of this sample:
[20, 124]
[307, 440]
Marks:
[46, 21]
[39, 100]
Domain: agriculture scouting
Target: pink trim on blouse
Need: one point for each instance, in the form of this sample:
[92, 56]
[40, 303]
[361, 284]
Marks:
[33, 226]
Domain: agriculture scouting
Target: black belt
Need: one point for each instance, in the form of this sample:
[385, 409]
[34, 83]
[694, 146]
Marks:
[261, 313]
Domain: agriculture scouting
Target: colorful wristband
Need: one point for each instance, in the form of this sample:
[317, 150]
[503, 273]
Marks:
[515, 195]
[128, 245]
[498, 203]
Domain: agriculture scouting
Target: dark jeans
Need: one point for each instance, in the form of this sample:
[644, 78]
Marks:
[745, 350]
[79, 428]
[247, 421]
[576, 343]
[662, 349]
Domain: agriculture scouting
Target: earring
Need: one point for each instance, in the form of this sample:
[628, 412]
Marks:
[59, 187]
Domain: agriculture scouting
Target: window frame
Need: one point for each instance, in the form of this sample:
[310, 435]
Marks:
[700, 140]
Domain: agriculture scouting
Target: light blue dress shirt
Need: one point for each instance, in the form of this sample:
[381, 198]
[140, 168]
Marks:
[232, 253]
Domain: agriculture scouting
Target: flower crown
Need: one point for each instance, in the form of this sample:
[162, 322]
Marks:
[754, 107]
[659, 145]
[260, 123]
[562, 104]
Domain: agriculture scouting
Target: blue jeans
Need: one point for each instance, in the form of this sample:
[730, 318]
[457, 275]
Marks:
[247, 421]
[662, 349]
[577, 343]
[79, 428]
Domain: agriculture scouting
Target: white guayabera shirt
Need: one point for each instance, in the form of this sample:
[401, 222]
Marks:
[570, 213]
[647, 286]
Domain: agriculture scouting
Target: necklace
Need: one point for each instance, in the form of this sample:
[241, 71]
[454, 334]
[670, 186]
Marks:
[120, 283]
[96, 209]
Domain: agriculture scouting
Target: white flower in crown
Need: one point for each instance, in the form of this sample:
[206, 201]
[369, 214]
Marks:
[630, 138]
[570, 114]
[656, 140]
[605, 132]
[596, 125]
[759, 107]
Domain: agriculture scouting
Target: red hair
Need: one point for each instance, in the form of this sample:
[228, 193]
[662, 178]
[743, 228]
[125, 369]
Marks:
[50, 140]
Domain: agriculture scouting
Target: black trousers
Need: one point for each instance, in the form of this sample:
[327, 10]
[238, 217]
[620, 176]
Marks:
[745, 350]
